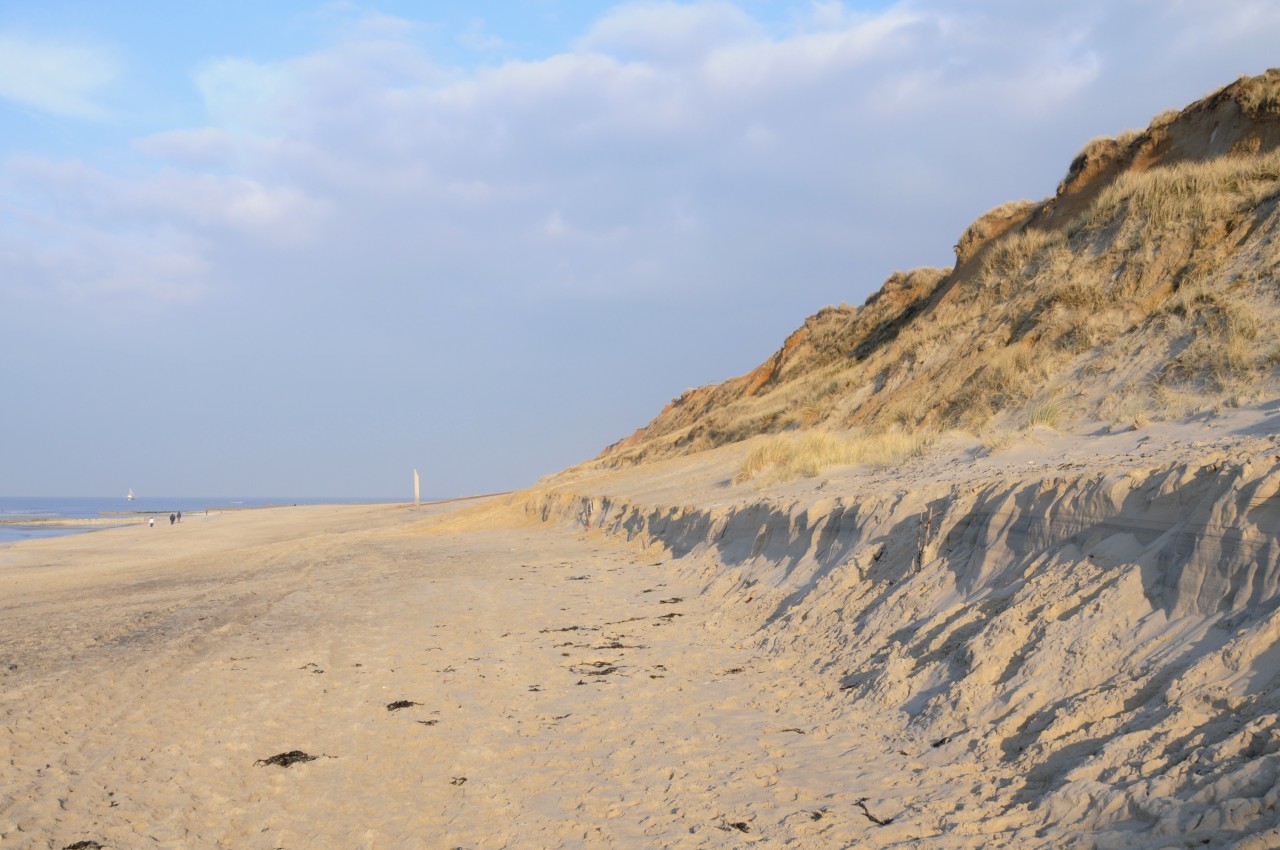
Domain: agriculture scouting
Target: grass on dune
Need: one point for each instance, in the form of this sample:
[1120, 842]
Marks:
[788, 457]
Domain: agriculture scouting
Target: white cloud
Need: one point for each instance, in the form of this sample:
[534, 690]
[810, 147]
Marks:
[555, 227]
[169, 196]
[106, 274]
[825, 14]
[60, 78]
[687, 131]
[207, 147]
[669, 32]
[476, 36]
[806, 57]
[241, 93]
[114, 246]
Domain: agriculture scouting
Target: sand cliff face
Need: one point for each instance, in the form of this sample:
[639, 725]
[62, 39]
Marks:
[1146, 283]
[1095, 645]
[1086, 640]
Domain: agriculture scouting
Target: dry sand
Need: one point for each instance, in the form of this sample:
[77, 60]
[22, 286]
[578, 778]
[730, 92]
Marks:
[1073, 641]
[568, 690]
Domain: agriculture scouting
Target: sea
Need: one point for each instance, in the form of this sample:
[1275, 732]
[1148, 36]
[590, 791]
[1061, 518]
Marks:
[16, 508]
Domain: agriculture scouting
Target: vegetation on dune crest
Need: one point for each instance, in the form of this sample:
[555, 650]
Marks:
[1145, 289]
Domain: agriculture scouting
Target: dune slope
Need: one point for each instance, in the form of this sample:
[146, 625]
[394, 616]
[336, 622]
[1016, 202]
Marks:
[1143, 289]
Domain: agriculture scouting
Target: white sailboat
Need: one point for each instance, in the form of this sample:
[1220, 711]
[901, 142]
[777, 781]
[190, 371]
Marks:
[130, 496]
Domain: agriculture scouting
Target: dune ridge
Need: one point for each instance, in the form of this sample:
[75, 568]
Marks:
[1142, 290]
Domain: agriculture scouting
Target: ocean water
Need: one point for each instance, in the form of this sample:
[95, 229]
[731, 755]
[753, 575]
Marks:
[51, 507]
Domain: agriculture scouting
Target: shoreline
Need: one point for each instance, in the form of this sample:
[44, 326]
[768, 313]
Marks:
[116, 518]
[76, 521]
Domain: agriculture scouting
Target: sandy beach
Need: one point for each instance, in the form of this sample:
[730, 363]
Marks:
[1069, 642]
[567, 690]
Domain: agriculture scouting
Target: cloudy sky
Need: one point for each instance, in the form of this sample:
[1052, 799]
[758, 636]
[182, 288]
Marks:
[300, 248]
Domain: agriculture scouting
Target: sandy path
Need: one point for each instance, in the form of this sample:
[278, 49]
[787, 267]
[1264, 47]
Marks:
[562, 699]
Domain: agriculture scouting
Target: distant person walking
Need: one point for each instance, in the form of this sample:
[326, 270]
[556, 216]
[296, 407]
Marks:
[179, 516]
[152, 522]
[171, 519]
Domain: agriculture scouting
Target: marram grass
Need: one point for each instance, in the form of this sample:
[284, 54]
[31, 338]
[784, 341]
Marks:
[787, 457]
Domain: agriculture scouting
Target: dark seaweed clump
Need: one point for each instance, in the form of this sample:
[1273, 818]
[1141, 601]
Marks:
[401, 703]
[286, 759]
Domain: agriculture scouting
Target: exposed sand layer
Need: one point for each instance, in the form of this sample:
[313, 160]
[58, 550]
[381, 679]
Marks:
[1077, 636]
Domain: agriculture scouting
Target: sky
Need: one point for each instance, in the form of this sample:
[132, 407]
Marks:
[302, 248]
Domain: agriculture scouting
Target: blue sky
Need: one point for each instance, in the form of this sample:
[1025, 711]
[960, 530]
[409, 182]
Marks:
[300, 248]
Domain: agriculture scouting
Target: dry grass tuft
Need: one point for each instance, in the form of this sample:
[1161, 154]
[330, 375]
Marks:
[997, 383]
[774, 453]
[1019, 257]
[1222, 339]
[1047, 413]
[1177, 403]
[1079, 295]
[787, 457]
[1186, 194]
[1259, 95]
[1128, 407]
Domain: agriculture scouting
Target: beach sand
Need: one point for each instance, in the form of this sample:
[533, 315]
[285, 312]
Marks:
[1072, 641]
[568, 691]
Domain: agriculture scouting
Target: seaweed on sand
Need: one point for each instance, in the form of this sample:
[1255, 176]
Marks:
[401, 703]
[286, 759]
